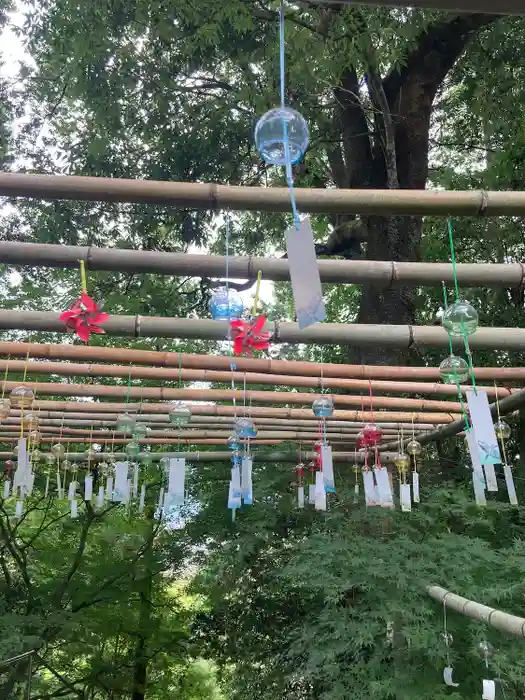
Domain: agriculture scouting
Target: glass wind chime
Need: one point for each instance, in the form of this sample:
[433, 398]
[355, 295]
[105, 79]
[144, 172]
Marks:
[240, 488]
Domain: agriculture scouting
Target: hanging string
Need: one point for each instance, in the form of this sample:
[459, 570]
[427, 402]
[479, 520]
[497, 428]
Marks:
[445, 630]
[5, 376]
[460, 395]
[371, 400]
[256, 296]
[83, 278]
[456, 289]
[502, 440]
[288, 163]
[128, 392]
[230, 349]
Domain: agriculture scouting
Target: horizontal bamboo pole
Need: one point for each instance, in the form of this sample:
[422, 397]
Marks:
[50, 351]
[277, 269]
[169, 394]
[254, 411]
[505, 7]
[293, 456]
[285, 332]
[70, 369]
[214, 197]
[104, 420]
[512, 624]
[14, 437]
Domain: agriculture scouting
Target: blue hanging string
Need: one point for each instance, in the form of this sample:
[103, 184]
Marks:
[288, 163]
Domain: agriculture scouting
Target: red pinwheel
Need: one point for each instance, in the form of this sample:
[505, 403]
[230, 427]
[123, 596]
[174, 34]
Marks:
[84, 317]
[249, 336]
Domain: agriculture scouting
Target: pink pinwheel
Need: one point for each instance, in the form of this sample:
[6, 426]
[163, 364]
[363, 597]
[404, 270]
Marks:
[84, 317]
[249, 336]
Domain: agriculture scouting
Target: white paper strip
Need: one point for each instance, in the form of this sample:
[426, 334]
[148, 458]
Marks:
[490, 477]
[88, 487]
[479, 488]
[176, 480]
[236, 483]
[447, 677]
[100, 496]
[74, 508]
[311, 494]
[511, 489]
[482, 422]
[142, 497]
[109, 488]
[72, 490]
[404, 498]
[320, 493]
[328, 468]
[19, 509]
[135, 480]
[489, 690]
[383, 488]
[22, 465]
[46, 492]
[7, 488]
[234, 500]
[415, 486]
[59, 485]
[300, 496]
[30, 482]
[120, 487]
[304, 273]
[246, 481]
[127, 493]
[371, 495]
[160, 502]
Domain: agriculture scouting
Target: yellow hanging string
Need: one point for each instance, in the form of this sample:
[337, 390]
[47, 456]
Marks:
[256, 297]
[5, 376]
[502, 440]
[83, 278]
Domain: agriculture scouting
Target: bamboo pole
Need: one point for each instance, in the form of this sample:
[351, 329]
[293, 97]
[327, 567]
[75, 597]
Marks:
[214, 197]
[507, 275]
[253, 411]
[170, 394]
[495, 618]
[506, 7]
[293, 456]
[50, 351]
[282, 332]
[71, 369]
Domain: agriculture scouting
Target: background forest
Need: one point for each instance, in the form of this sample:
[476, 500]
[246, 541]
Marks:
[282, 603]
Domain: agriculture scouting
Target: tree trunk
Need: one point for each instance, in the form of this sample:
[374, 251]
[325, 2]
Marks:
[366, 151]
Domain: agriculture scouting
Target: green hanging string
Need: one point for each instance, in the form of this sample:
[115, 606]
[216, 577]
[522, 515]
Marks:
[456, 288]
[460, 395]
[129, 386]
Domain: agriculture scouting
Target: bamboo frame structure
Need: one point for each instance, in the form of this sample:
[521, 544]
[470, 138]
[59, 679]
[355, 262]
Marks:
[508, 275]
[282, 332]
[93, 353]
[512, 624]
[214, 197]
[254, 411]
[248, 396]
[505, 7]
[193, 375]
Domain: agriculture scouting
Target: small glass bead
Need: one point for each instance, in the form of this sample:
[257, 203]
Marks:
[323, 407]
[58, 451]
[245, 428]
[132, 449]
[446, 638]
[502, 430]
[372, 434]
[453, 370]
[31, 421]
[402, 461]
[5, 407]
[226, 305]
[34, 437]
[280, 130]
[21, 397]
[485, 649]
[233, 443]
[461, 318]
[180, 413]
[140, 431]
[125, 423]
[414, 448]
